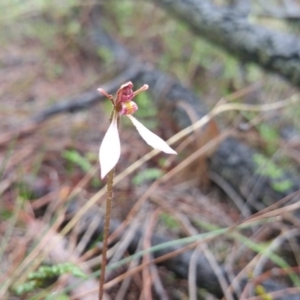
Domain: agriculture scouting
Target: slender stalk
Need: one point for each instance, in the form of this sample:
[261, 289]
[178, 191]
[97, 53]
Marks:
[109, 197]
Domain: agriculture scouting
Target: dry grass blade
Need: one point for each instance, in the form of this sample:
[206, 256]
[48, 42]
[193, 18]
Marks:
[88, 233]
[146, 272]
[192, 274]
[233, 195]
[158, 285]
[127, 280]
[181, 218]
[124, 243]
[276, 243]
[274, 213]
[25, 130]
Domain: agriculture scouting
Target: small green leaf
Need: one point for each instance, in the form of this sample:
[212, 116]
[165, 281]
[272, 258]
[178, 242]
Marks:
[169, 221]
[270, 135]
[38, 278]
[75, 157]
[146, 175]
[26, 287]
[282, 186]
[5, 214]
[266, 167]
[147, 111]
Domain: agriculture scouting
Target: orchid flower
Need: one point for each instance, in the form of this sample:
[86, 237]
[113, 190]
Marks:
[110, 149]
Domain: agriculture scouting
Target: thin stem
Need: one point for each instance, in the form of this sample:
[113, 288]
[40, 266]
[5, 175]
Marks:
[109, 197]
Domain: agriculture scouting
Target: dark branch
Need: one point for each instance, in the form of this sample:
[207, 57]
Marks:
[275, 52]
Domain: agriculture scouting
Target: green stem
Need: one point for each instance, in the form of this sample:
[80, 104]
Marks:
[109, 197]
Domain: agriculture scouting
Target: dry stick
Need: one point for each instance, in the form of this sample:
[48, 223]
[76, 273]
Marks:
[231, 193]
[83, 182]
[106, 230]
[192, 286]
[147, 280]
[126, 282]
[275, 212]
[124, 243]
[168, 208]
[279, 272]
[217, 270]
[275, 244]
[87, 235]
[158, 286]
[272, 207]
[262, 258]
[23, 131]
[246, 270]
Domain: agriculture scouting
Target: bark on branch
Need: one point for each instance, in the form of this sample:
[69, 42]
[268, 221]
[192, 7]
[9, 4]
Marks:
[274, 51]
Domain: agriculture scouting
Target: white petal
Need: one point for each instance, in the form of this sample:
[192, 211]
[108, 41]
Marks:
[110, 149]
[151, 139]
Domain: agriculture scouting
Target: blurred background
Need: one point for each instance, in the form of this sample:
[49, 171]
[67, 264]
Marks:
[237, 59]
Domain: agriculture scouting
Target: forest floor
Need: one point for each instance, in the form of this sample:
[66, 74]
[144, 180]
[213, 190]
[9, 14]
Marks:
[57, 162]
